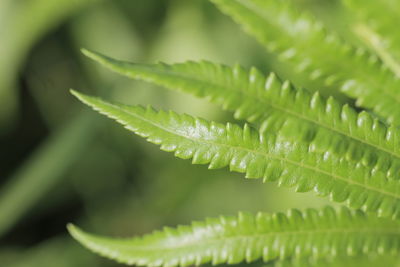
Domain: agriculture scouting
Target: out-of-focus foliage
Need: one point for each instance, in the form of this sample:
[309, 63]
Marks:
[41, 173]
[60, 165]
[294, 36]
[22, 23]
[373, 24]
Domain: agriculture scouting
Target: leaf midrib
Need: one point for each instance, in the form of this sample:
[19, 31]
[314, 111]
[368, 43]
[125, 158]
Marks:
[302, 165]
[375, 41]
[276, 234]
[257, 10]
[289, 112]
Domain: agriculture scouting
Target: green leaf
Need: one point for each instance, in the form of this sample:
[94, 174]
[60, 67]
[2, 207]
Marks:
[259, 156]
[375, 24]
[299, 39]
[278, 106]
[317, 234]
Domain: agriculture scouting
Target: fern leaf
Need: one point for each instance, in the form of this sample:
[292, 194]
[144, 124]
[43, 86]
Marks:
[277, 106]
[324, 57]
[259, 156]
[376, 26]
[316, 234]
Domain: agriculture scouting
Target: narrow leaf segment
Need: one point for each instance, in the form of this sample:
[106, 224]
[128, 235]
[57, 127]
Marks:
[259, 156]
[316, 234]
[304, 42]
[375, 22]
[278, 106]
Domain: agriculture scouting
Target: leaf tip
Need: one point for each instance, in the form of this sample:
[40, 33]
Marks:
[88, 52]
[94, 55]
[86, 99]
[73, 92]
[78, 95]
[74, 231]
[80, 236]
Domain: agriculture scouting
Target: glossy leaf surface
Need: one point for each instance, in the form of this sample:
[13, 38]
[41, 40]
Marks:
[316, 234]
[258, 155]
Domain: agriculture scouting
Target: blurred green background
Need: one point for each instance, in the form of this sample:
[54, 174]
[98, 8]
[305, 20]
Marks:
[61, 162]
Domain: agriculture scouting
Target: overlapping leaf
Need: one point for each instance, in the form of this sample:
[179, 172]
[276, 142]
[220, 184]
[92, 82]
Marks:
[317, 234]
[259, 156]
[278, 106]
[323, 56]
[376, 24]
[306, 142]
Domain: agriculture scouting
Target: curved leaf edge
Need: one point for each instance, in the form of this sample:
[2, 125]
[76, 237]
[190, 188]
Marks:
[327, 233]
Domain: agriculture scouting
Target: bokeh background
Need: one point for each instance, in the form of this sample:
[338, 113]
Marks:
[61, 162]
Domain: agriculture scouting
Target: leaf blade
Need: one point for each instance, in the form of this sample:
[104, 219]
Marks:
[257, 155]
[277, 106]
[374, 23]
[317, 234]
[304, 42]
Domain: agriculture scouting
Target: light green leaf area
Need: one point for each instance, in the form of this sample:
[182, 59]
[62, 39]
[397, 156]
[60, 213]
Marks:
[368, 260]
[316, 234]
[277, 106]
[321, 55]
[375, 24]
[258, 155]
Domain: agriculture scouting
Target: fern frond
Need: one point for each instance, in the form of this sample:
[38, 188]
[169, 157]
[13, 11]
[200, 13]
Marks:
[259, 156]
[316, 234]
[278, 106]
[299, 39]
[377, 27]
